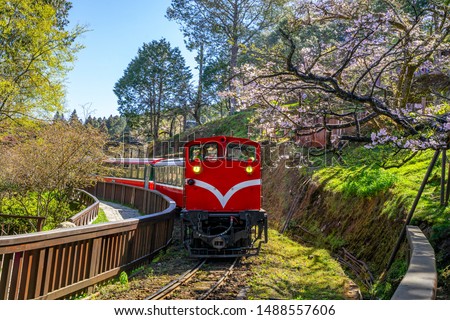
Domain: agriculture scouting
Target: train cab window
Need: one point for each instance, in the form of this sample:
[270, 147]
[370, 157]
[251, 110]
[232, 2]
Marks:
[241, 152]
[195, 152]
[206, 151]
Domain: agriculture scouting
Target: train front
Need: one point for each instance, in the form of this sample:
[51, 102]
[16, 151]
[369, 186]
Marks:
[222, 215]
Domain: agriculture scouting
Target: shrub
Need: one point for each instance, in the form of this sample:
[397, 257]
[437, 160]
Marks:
[123, 278]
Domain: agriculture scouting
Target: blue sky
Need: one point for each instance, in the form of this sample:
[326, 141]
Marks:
[117, 29]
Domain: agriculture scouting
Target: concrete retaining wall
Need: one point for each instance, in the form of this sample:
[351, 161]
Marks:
[420, 282]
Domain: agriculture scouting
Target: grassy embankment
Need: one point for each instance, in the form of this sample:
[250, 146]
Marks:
[398, 187]
[361, 207]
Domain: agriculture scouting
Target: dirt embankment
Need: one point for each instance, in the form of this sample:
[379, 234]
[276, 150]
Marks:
[329, 219]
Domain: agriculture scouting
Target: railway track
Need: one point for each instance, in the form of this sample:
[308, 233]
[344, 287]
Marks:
[197, 283]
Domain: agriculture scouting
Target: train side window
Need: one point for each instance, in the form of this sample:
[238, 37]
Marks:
[180, 177]
[166, 175]
[157, 174]
[172, 176]
[169, 175]
[161, 176]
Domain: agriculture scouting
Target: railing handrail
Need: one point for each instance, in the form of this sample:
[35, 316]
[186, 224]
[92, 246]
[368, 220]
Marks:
[61, 262]
[88, 214]
[19, 216]
[39, 220]
[420, 281]
[36, 237]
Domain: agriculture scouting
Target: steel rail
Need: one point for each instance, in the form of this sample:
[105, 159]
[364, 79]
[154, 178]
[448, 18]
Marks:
[171, 286]
[218, 283]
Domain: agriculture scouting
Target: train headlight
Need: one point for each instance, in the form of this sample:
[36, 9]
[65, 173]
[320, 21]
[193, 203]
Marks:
[249, 170]
[196, 169]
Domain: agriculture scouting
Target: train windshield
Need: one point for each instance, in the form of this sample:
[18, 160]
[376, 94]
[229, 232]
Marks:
[242, 152]
[205, 151]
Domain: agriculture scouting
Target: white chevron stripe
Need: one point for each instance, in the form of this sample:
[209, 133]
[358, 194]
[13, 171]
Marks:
[223, 199]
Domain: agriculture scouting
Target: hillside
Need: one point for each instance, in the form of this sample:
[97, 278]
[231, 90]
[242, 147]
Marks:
[360, 208]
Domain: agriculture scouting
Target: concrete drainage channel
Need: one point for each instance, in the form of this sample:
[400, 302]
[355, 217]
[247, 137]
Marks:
[420, 281]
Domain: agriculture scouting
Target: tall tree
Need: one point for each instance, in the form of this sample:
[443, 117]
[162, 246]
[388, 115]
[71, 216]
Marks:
[155, 81]
[35, 52]
[222, 26]
[74, 120]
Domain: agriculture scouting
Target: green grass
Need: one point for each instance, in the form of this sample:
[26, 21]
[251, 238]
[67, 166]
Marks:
[101, 218]
[364, 178]
[287, 270]
[364, 181]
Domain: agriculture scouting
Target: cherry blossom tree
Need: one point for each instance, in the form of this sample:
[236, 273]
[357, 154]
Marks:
[357, 61]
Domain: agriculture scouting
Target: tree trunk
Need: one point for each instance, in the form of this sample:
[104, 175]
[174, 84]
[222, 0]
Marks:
[172, 126]
[234, 54]
[184, 123]
[199, 100]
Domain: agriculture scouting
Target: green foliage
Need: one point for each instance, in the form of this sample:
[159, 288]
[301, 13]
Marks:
[155, 85]
[335, 242]
[445, 278]
[367, 182]
[123, 278]
[114, 126]
[221, 35]
[384, 290]
[236, 124]
[363, 180]
[58, 208]
[35, 54]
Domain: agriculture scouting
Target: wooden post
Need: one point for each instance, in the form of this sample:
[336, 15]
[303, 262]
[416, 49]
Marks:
[448, 186]
[424, 104]
[40, 223]
[95, 260]
[444, 162]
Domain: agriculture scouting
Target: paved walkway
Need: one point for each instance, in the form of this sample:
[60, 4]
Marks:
[116, 212]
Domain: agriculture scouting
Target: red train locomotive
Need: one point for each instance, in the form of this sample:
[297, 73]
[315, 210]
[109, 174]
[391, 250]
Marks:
[217, 186]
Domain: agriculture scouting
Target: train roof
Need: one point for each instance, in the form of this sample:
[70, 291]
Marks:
[178, 162]
[142, 161]
[222, 140]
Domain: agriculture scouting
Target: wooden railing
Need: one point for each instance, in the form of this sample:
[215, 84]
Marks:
[8, 224]
[60, 263]
[89, 214]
